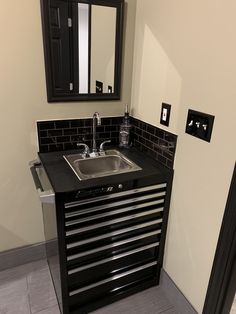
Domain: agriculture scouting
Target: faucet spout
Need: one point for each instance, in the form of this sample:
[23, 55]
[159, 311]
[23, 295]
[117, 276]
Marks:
[96, 117]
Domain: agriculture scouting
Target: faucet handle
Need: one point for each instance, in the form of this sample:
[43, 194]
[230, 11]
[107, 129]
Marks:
[86, 149]
[101, 148]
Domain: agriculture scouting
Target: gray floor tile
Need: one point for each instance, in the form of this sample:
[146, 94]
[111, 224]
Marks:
[13, 274]
[174, 295]
[41, 291]
[28, 289]
[170, 311]
[13, 305]
[14, 297]
[51, 310]
[151, 301]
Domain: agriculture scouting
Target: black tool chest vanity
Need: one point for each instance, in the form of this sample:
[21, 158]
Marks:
[105, 237]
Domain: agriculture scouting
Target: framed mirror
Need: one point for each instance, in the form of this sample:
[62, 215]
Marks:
[82, 49]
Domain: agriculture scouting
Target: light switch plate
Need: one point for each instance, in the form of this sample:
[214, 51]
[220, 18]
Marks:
[165, 114]
[99, 87]
[199, 124]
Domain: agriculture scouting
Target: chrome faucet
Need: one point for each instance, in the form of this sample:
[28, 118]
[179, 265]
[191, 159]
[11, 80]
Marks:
[85, 153]
[101, 148]
[95, 117]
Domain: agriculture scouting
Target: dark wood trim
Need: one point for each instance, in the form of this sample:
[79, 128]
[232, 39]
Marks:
[118, 48]
[45, 27]
[74, 49]
[89, 49]
[67, 95]
[222, 284]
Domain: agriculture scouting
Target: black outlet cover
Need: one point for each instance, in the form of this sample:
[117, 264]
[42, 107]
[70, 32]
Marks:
[165, 114]
[200, 125]
[99, 87]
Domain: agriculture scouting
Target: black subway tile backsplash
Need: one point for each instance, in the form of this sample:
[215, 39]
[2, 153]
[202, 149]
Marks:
[55, 132]
[43, 133]
[46, 125]
[62, 124]
[154, 141]
[65, 134]
[77, 123]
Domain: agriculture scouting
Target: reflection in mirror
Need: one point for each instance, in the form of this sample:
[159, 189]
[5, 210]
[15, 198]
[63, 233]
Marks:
[83, 48]
[103, 34]
[96, 60]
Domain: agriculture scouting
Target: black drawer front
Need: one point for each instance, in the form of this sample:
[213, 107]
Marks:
[112, 241]
[102, 268]
[109, 251]
[111, 285]
[104, 242]
[102, 222]
[74, 208]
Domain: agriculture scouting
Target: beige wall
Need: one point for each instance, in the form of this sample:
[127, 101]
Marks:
[23, 101]
[185, 55]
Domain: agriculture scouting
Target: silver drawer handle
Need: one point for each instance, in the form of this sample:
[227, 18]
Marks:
[113, 258]
[114, 221]
[102, 282]
[114, 212]
[110, 196]
[112, 234]
[46, 197]
[115, 244]
[114, 204]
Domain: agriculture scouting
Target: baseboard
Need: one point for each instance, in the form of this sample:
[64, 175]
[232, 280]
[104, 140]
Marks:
[22, 255]
[176, 297]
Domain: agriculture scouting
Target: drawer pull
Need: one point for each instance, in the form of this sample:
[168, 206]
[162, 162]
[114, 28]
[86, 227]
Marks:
[115, 277]
[113, 204]
[114, 212]
[110, 196]
[112, 245]
[114, 221]
[113, 258]
[112, 234]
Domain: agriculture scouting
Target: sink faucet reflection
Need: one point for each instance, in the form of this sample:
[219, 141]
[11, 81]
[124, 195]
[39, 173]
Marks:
[95, 117]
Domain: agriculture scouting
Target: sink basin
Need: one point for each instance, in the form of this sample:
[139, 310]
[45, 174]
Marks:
[113, 162]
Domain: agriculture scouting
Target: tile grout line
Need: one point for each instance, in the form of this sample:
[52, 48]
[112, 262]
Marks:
[171, 308]
[28, 293]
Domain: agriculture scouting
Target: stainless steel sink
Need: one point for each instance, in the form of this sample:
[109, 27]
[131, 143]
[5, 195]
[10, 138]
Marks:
[113, 162]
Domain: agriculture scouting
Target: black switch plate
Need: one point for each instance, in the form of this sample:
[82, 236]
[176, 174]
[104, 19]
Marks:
[99, 87]
[200, 125]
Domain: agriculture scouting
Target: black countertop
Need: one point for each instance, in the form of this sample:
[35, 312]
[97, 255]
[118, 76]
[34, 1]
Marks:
[64, 180]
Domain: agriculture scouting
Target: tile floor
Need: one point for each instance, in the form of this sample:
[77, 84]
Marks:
[28, 289]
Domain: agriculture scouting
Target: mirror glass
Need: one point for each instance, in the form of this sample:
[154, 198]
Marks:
[83, 46]
[98, 77]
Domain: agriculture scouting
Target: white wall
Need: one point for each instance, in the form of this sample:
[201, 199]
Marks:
[23, 101]
[185, 55]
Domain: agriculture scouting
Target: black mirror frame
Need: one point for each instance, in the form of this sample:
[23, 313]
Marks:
[52, 96]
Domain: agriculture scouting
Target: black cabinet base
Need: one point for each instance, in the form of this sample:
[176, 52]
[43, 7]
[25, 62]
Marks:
[118, 296]
[109, 246]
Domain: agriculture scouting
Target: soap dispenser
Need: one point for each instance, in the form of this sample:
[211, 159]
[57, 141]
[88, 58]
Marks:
[125, 128]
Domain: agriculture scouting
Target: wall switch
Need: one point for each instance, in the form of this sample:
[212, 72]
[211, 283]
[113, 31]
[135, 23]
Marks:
[165, 114]
[200, 125]
[99, 87]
